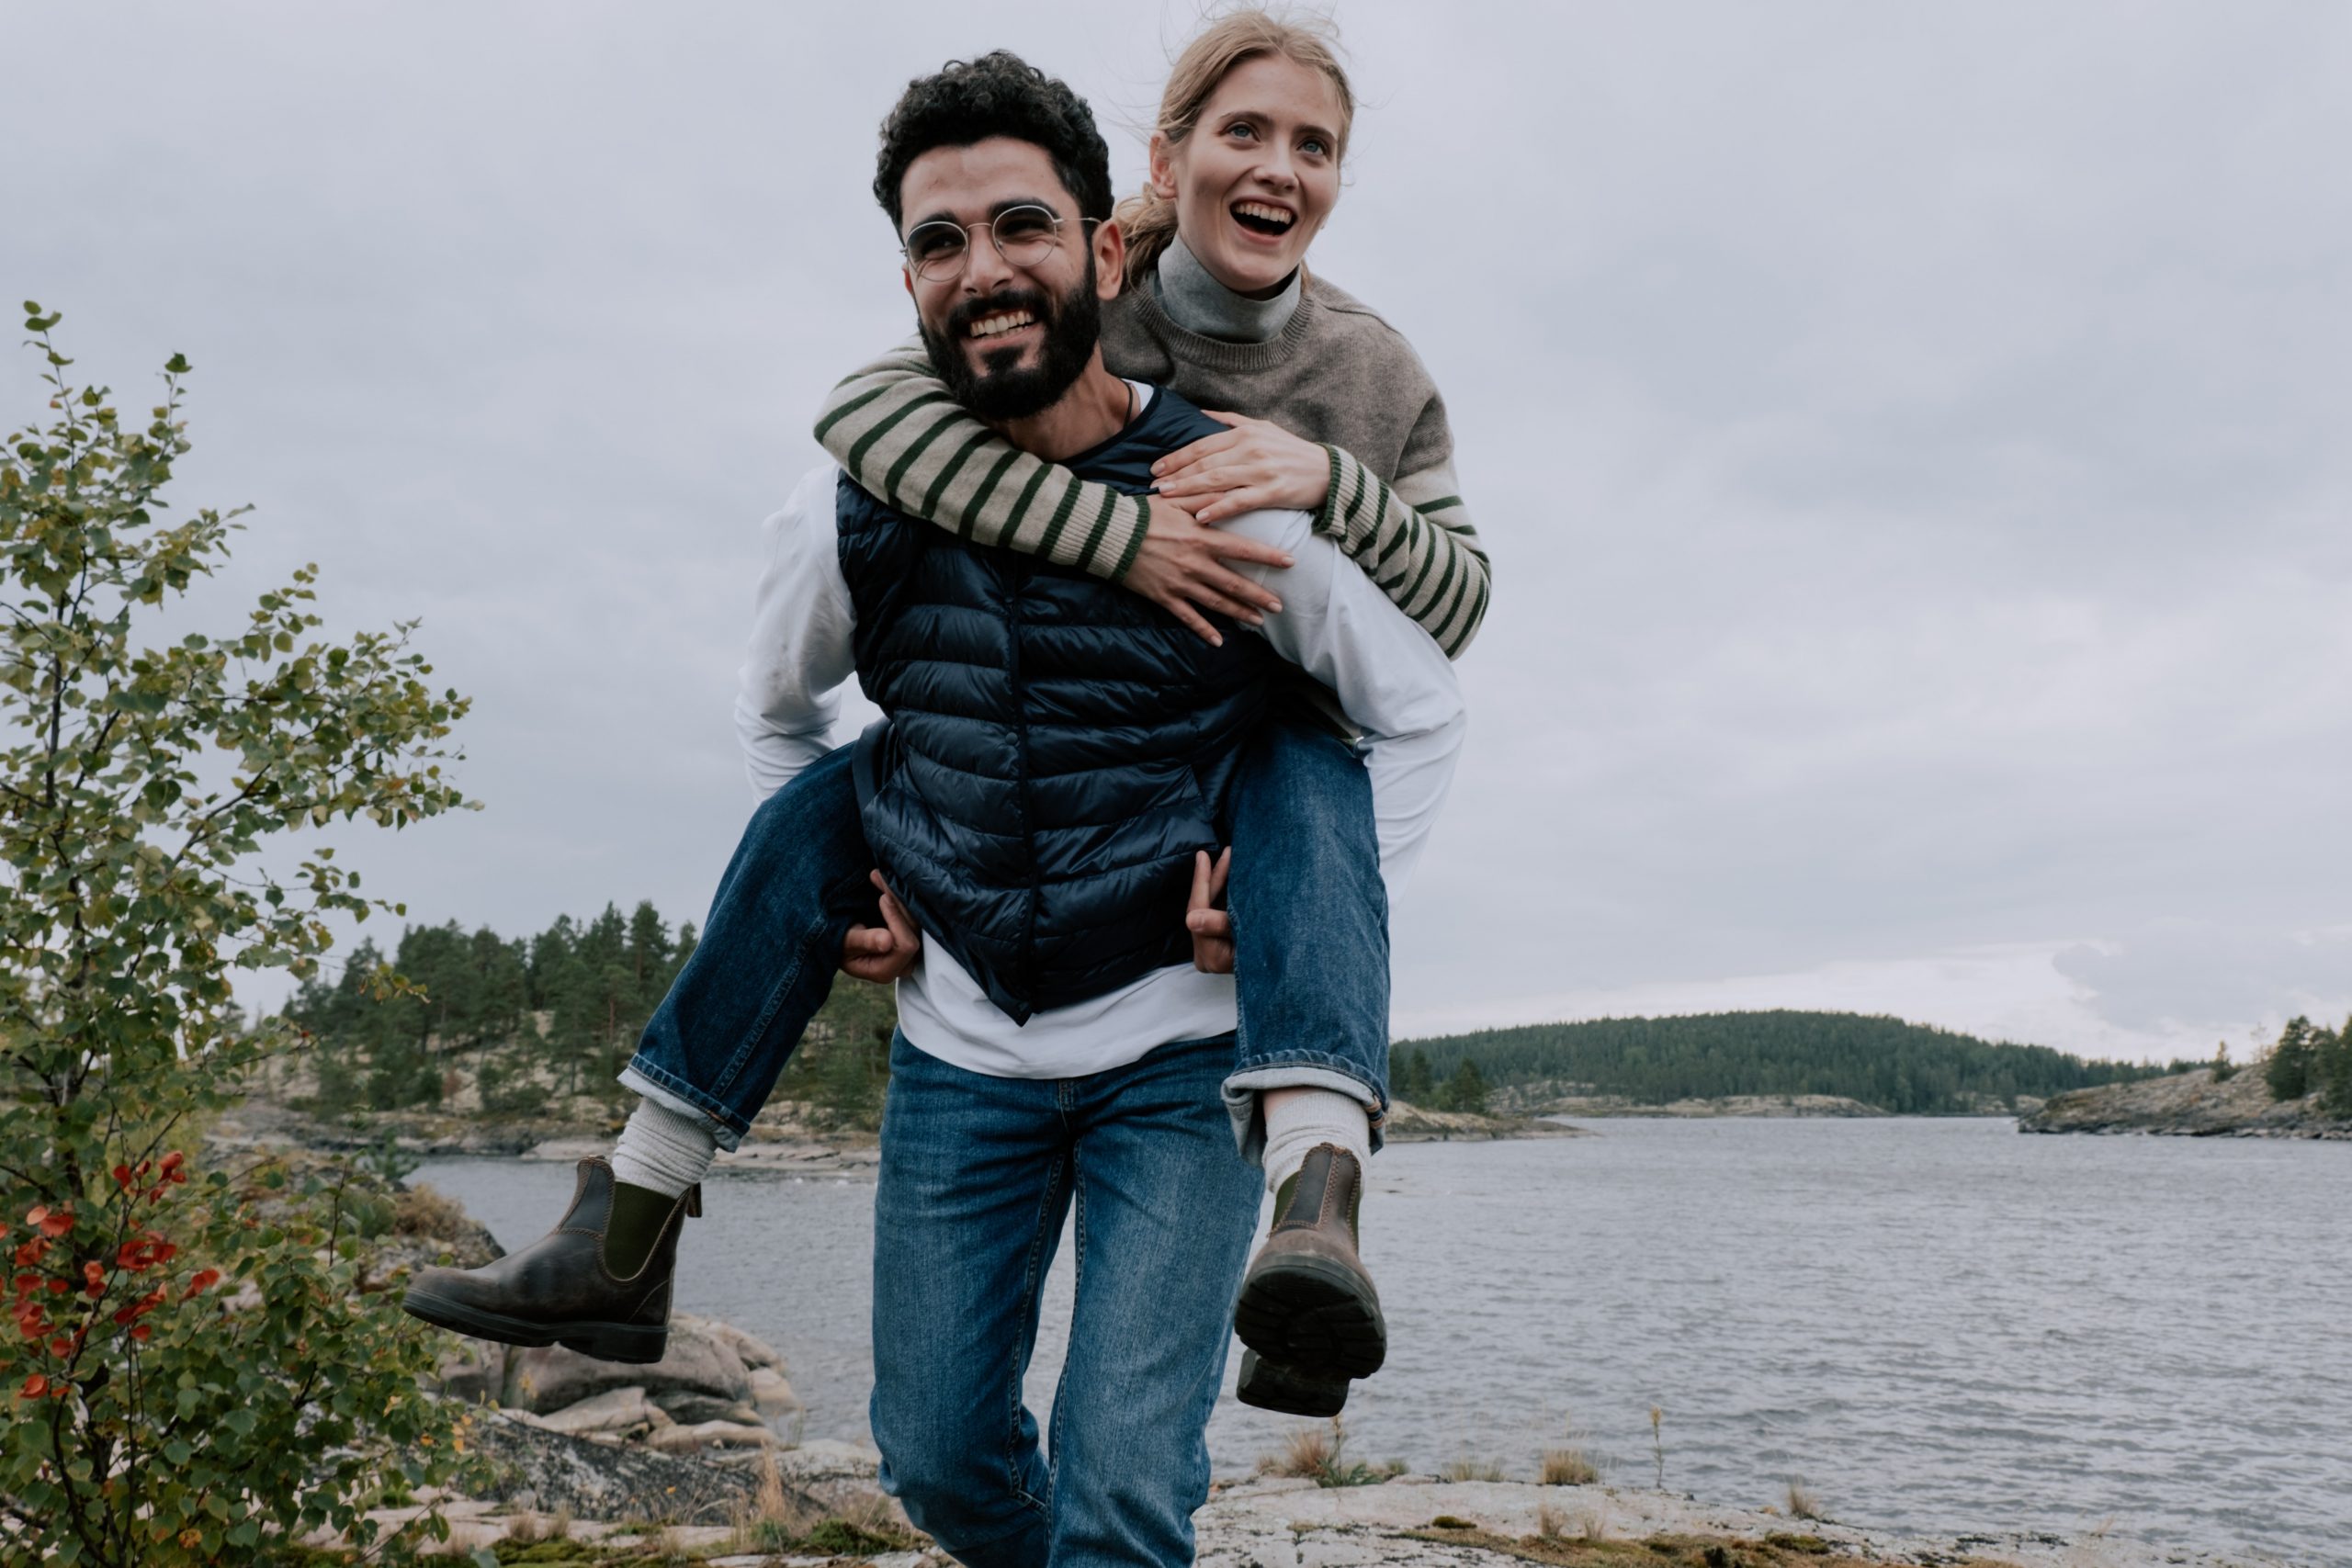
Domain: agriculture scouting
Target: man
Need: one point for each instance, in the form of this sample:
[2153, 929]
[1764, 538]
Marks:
[1050, 766]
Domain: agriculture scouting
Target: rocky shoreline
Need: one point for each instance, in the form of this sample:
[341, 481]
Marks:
[1405, 1521]
[2187, 1105]
[1598, 1106]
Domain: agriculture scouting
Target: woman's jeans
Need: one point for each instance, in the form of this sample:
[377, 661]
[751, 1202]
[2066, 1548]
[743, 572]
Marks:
[1310, 927]
[978, 1176]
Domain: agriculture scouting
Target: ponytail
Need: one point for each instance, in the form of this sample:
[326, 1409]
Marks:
[1148, 219]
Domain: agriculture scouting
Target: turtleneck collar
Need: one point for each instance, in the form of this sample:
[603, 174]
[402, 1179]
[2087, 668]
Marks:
[1197, 303]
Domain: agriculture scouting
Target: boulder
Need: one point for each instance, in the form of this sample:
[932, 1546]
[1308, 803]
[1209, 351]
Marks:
[620, 1410]
[475, 1375]
[712, 1434]
[698, 1362]
[751, 1350]
[771, 1394]
[687, 1408]
[830, 1459]
[598, 1481]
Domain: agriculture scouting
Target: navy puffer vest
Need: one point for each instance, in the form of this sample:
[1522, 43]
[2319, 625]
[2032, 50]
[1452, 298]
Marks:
[1056, 747]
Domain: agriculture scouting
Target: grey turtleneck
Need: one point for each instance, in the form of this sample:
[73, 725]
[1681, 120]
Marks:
[1197, 303]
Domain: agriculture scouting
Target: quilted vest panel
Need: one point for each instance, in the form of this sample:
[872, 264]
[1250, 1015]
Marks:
[1054, 747]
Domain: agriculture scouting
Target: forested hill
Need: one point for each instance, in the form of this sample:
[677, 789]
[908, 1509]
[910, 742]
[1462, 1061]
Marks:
[1907, 1068]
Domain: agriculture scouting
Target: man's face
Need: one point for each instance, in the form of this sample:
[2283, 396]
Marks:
[1008, 339]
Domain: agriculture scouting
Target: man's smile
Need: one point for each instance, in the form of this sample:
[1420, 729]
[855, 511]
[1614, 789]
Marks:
[999, 322]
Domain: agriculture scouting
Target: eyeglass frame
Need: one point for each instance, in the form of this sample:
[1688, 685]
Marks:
[962, 256]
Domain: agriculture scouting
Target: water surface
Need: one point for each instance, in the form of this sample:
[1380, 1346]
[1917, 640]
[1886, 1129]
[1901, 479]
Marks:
[1937, 1325]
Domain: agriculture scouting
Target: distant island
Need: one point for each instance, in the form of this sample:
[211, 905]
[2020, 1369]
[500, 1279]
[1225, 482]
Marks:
[1775, 1063]
[2301, 1088]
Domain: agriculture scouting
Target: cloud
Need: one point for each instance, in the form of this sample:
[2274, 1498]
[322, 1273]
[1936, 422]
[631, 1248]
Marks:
[1909, 443]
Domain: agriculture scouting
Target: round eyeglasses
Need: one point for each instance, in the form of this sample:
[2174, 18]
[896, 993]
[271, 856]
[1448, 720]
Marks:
[1023, 236]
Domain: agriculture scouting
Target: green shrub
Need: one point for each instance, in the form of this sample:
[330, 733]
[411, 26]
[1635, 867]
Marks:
[193, 1377]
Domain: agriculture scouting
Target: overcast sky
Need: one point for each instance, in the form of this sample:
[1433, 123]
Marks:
[1912, 444]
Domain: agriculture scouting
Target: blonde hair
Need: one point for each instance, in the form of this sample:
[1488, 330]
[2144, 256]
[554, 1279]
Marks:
[1149, 219]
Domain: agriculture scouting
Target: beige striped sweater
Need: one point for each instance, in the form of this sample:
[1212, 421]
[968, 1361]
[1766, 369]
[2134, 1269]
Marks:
[1335, 374]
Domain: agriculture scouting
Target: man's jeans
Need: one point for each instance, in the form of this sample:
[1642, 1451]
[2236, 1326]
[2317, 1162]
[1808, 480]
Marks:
[978, 1174]
[1310, 926]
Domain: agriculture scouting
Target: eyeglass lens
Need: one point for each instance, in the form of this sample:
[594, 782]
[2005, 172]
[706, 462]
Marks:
[1024, 235]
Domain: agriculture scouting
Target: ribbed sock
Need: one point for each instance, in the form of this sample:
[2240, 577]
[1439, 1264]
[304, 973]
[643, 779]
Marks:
[661, 1154]
[1297, 1120]
[662, 1151]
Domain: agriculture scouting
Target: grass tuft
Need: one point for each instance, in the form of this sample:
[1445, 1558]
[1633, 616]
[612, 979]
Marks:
[1319, 1454]
[1467, 1469]
[1568, 1467]
[1802, 1504]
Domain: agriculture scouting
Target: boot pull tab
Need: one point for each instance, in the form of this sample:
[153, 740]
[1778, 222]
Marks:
[693, 1201]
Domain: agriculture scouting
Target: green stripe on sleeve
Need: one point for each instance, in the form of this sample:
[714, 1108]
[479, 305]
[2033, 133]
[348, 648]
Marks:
[1059, 521]
[1134, 546]
[1453, 564]
[855, 462]
[929, 510]
[1328, 521]
[915, 449]
[964, 525]
[1012, 529]
[1101, 526]
[842, 411]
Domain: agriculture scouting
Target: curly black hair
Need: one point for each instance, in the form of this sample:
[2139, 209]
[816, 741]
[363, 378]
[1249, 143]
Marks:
[997, 94]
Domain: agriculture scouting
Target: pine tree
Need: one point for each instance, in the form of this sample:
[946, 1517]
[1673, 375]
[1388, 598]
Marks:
[2287, 1069]
[1466, 1089]
[1411, 1081]
[2332, 1070]
[649, 959]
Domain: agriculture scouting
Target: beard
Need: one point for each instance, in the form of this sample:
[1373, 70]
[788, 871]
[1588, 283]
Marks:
[1003, 389]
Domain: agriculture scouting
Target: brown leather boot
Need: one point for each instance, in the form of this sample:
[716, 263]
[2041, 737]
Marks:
[1306, 1304]
[558, 1288]
[1270, 1385]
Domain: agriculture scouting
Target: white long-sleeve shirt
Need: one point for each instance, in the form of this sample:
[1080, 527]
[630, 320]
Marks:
[1393, 680]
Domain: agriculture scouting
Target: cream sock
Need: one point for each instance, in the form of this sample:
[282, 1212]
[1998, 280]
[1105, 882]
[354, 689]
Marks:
[662, 1150]
[1297, 1120]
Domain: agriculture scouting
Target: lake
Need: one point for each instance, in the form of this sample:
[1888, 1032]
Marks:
[1936, 1325]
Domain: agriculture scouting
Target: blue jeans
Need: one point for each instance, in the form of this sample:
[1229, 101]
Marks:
[977, 1177]
[1310, 927]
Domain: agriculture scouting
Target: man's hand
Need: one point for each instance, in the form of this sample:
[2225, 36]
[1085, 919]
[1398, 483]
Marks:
[1212, 928]
[1182, 565]
[1256, 463]
[881, 953]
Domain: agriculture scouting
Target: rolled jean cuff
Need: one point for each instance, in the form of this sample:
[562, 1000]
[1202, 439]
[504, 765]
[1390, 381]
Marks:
[1243, 1087]
[672, 1094]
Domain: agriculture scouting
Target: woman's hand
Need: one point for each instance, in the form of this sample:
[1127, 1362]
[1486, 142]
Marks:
[1182, 566]
[1256, 463]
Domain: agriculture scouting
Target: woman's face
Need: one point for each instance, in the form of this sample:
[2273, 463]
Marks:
[1255, 180]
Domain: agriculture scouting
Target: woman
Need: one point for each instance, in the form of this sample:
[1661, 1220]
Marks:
[1245, 166]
